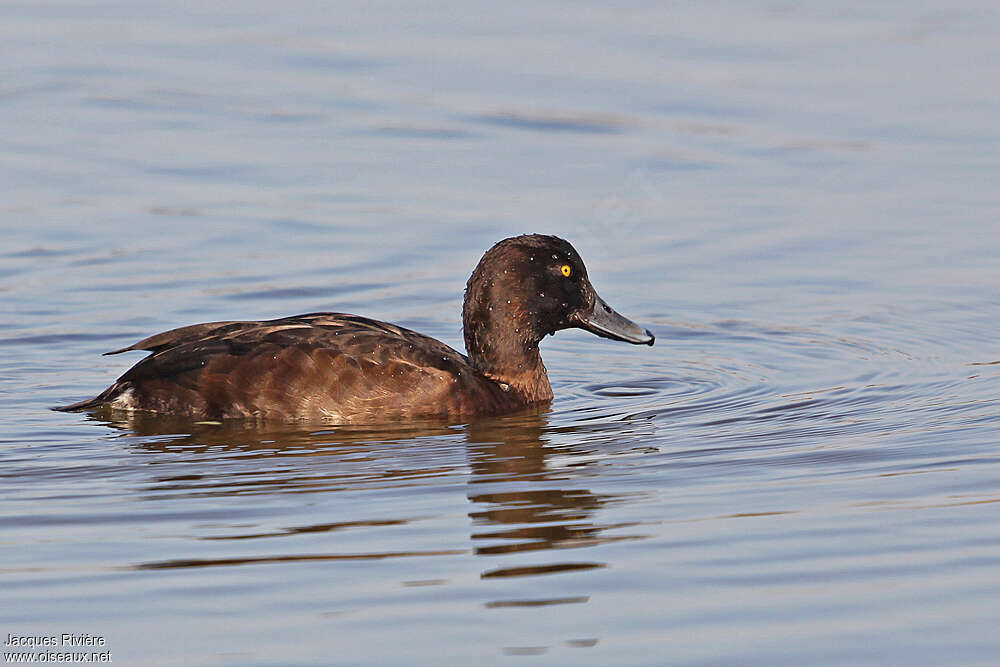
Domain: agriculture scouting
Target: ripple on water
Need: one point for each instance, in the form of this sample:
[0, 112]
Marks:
[757, 390]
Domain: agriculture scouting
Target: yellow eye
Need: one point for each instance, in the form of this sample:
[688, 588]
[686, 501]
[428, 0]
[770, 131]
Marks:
[566, 270]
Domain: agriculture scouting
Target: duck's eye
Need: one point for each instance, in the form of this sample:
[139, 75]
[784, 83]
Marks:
[566, 270]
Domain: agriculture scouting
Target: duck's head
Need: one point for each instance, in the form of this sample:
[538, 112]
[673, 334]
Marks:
[530, 286]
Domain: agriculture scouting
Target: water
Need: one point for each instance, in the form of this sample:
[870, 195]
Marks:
[800, 201]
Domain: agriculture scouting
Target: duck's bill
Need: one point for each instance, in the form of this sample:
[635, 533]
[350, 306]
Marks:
[604, 321]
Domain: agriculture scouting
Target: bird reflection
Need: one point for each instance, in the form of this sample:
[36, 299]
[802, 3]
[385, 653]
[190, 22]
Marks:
[522, 501]
[527, 505]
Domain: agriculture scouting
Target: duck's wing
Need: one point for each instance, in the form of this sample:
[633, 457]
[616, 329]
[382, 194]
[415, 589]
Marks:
[260, 330]
[175, 337]
[320, 365]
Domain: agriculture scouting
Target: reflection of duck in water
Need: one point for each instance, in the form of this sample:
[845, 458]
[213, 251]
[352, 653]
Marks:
[524, 505]
[344, 368]
[520, 502]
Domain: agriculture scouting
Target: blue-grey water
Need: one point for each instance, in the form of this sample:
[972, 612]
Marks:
[800, 200]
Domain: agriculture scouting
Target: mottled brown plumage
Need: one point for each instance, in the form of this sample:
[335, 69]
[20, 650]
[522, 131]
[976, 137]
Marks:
[334, 367]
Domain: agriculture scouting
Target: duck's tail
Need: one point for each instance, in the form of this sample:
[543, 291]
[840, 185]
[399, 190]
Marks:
[91, 403]
[88, 404]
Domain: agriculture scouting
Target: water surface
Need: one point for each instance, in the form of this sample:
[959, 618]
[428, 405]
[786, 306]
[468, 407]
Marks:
[799, 201]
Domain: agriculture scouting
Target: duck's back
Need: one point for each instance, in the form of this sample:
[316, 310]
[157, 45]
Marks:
[321, 366]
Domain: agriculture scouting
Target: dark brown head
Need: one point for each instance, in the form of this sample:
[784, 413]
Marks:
[525, 288]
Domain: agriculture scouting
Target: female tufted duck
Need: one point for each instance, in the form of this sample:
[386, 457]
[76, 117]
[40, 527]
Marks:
[333, 367]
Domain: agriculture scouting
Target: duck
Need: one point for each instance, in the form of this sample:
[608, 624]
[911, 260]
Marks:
[340, 368]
